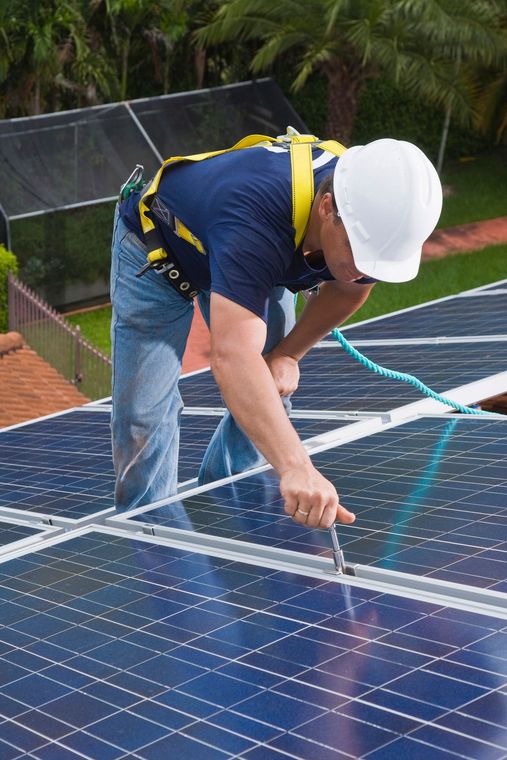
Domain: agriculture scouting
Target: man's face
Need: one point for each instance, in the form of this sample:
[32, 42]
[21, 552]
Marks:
[335, 243]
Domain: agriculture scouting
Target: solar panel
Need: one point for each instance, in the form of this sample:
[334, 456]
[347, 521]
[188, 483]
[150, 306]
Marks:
[430, 498]
[15, 534]
[59, 466]
[197, 430]
[331, 380]
[62, 466]
[114, 645]
[453, 317]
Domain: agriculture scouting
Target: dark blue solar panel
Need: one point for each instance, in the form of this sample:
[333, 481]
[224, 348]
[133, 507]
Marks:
[459, 316]
[113, 646]
[60, 466]
[12, 532]
[200, 390]
[63, 466]
[332, 380]
[430, 498]
[196, 432]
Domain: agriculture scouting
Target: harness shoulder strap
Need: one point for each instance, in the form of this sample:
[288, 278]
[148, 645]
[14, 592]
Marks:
[156, 251]
[303, 190]
[300, 147]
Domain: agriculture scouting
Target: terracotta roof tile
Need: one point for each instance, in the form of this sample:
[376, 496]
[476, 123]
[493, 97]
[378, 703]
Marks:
[30, 387]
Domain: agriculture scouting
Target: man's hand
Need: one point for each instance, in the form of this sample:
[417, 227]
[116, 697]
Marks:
[284, 370]
[311, 500]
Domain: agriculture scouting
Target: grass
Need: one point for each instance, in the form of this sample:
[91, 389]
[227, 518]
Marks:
[438, 278]
[477, 189]
[95, 326]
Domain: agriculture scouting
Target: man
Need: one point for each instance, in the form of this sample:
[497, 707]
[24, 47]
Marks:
[226, 224]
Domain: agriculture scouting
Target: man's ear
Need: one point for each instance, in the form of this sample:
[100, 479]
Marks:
[326, 207]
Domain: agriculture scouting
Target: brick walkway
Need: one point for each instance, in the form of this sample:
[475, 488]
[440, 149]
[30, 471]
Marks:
[465, 238]
[198, 346]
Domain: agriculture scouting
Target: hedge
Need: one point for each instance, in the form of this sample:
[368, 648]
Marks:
[8, 263]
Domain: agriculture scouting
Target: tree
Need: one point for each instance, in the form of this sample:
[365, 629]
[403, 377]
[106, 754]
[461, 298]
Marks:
[491, 112]
[414, 43]
[133, 26]
[490, 94]
[39, 39]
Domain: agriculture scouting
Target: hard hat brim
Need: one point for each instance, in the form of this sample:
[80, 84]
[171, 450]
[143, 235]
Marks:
[390, 271]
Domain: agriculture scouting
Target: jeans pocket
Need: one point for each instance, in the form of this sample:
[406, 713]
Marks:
[131, 241]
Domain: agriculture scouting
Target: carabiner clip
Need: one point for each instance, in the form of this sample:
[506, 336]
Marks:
[133, 183]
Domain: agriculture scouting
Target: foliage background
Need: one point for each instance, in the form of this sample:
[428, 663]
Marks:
[8, 263]
[61, 54]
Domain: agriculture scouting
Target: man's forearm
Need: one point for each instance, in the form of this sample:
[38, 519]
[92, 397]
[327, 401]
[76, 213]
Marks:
[250, 391]
[251, 396]
[329, 308]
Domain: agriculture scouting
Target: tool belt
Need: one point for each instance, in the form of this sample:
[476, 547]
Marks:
[169, 266]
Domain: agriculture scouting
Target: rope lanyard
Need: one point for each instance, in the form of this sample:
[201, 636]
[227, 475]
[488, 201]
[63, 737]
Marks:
[403, 376]
[394, 375]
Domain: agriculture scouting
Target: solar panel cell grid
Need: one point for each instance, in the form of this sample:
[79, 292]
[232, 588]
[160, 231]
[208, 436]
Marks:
[115, 647]
[430, 498]
[12, 532]
[180, 654]
[63, 466]
[456, 317]
[331, 380]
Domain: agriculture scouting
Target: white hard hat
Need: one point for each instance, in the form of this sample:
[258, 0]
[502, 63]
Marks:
[389, 198]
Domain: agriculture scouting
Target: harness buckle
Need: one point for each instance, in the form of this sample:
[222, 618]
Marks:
[160, 267]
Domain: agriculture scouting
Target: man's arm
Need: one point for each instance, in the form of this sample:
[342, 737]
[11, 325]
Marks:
[335, 302]
[237, 340]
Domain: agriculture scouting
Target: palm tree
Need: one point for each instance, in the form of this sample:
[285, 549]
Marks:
[414, 43]
[490, 92]
[491, 112]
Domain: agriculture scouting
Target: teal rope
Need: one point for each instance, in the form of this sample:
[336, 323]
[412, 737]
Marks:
[393, 375]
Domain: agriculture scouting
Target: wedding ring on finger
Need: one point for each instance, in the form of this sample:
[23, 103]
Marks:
[302, 513]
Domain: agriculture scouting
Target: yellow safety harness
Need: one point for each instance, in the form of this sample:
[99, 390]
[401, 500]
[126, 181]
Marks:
[300, 147]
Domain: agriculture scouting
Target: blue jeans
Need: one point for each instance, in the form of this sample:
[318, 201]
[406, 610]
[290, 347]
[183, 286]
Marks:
[149, 331]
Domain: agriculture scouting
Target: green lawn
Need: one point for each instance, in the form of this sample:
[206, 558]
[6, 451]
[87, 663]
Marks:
[477, 189]
[95, 326]
[436, 279]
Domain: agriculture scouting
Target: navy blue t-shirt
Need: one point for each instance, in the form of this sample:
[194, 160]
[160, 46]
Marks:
[239, 205]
